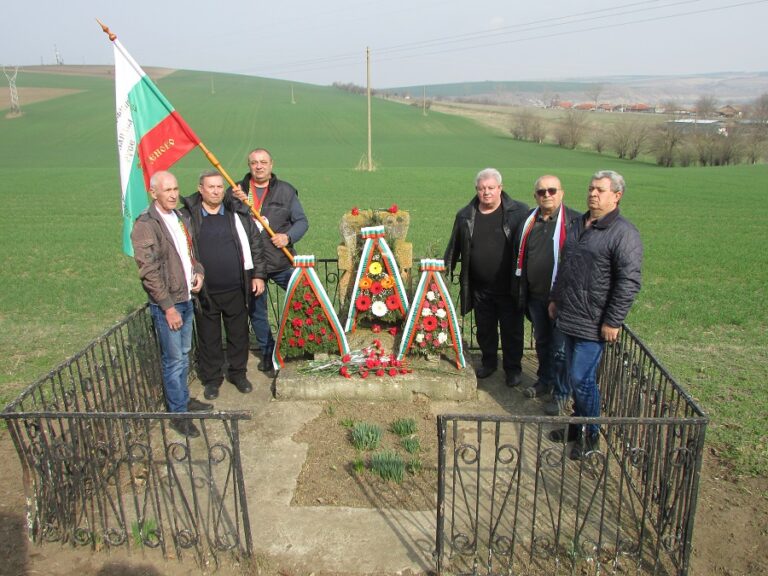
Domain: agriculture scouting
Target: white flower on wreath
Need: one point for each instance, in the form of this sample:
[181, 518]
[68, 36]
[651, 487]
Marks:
[420, 337]
[379, 308]
[426, 311]
[431, 296]
[441, 313]
[442, 337]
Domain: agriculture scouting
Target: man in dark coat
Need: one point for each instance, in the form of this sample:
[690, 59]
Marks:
[483, 235]
[231, 251]
[596, 284]
[538, 248]
[278, 203]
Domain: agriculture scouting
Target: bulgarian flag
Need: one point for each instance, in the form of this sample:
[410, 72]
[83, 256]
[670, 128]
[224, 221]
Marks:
[151, 136]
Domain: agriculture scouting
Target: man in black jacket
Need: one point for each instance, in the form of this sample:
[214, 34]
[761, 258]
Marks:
[483, 235]
[278, 203]
[230, 248]
[538, 248]
[597, 282]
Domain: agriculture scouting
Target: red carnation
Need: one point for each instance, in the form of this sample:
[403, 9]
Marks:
[363, 302]
[393, 330]
[297, 305]
[308, 296]
[291, 342]
[297, 322]
[346, 358]
[323, 331]
[433, 287]
[380, 372]
[441, 304]
[355, 211]
[403, 370]
[305, 282]
[301, 342]
[309, 311]
[344, 371]
[393, 303]
[311, 337]
[297, 333]
[308, 321]
[363, 373]
[393, 371]
[423, 343]
[392, 209]
[376, 288]
[376, 328]
[430, 323]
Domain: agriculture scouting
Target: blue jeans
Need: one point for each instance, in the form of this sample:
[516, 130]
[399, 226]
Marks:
[259, 311]
[174, 354]
[550, 349]
[583, 358]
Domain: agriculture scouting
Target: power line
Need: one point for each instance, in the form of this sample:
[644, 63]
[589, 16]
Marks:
[389, 53]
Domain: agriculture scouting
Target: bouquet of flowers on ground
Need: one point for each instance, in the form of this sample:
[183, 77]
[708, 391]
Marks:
[372, 360]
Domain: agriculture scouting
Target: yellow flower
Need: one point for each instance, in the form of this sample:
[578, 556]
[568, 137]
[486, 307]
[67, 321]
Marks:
[375, 268]
[387, 282]
[365, 282]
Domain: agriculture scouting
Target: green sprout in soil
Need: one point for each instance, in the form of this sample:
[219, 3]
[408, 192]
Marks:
[411, 444]
[366, 436]
[388, 465]
[358, 465]
[404, 427]
[347, 422]
[143, 531]
[415, 465]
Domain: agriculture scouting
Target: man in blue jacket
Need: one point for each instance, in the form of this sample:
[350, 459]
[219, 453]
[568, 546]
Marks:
[597, 282]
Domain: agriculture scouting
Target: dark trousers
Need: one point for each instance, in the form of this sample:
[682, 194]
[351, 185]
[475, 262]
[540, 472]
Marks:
[497, 314]
[550, 349]
[229, 308]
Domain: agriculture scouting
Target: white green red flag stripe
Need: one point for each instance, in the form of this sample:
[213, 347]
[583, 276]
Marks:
[151, 136]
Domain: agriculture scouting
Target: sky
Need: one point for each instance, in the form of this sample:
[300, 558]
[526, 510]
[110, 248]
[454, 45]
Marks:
[420, 42]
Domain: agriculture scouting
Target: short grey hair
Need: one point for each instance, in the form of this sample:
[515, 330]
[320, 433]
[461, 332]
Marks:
[486, 174]
[208, 174]
[156, 176]
[617, 180]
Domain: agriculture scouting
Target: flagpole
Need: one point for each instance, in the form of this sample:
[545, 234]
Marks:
[208, 154]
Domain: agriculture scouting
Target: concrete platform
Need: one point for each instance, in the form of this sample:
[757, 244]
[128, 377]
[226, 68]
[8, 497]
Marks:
[434, 380]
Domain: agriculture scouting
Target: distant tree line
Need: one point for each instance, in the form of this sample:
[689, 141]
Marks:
[672, 143]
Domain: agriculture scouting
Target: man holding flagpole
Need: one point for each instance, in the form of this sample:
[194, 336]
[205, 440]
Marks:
[538, 249]
[170, 273]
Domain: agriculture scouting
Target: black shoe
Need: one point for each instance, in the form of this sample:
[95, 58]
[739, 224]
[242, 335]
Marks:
[580, 449]
[194, 405]
[265, 364]
[185, 428]
[484, 371]
[513, 379]
[211, 392]
[536, 391]
[559, 435]
[242, 384]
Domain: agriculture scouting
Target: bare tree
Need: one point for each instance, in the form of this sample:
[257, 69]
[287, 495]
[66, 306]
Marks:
[572, 129]
[706, 106]
[665, 143]
[528, 126]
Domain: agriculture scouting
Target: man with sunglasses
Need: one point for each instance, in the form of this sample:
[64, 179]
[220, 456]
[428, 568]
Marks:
[483, 235]
[538, 250]
[598, 279]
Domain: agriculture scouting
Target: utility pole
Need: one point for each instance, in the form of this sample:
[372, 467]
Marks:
[293, 100]
[15, 108]
[368, 75]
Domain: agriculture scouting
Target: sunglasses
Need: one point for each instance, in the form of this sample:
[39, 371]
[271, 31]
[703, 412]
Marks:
[541, 192]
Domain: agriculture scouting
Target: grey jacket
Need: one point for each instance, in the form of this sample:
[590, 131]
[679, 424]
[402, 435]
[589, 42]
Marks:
[160, 268]
[599, 276]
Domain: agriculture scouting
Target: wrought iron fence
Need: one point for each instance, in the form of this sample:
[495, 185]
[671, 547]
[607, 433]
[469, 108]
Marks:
[512, 501]
[102, 468]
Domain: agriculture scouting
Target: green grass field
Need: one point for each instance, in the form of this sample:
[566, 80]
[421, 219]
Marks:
[702, 309]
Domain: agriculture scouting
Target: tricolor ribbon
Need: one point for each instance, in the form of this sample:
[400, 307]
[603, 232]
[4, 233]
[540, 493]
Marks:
[431, 273]
[304, 268]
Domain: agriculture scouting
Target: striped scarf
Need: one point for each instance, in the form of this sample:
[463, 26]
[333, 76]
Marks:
[558, 240]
